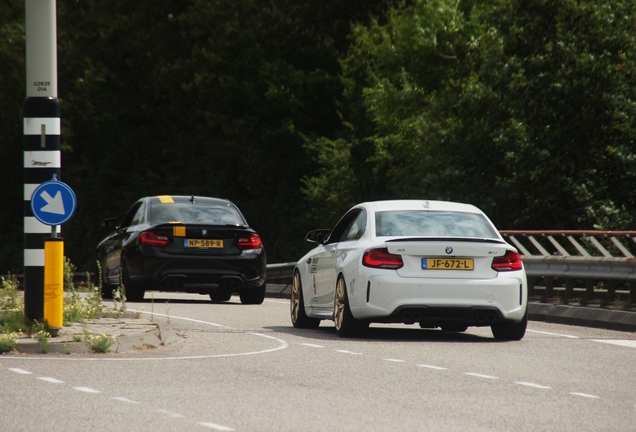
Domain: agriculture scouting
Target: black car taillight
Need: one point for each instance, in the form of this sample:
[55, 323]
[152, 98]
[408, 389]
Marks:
[151, 238]
[381, 258]
[509, 262]
[253, 241]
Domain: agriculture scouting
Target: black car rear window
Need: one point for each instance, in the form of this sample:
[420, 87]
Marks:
[195, 214]
[432, 223]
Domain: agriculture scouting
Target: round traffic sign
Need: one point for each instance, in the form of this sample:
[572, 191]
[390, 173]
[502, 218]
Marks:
[53, 202]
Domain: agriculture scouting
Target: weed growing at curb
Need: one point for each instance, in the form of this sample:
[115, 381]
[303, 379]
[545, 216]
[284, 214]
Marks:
[102, 343]
[8, 342]
[622, 304]
[43, 337]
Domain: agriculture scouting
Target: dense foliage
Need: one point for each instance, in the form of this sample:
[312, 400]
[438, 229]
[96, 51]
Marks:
[297, 109]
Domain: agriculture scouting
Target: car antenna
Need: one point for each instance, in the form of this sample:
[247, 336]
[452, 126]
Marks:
[192, 199]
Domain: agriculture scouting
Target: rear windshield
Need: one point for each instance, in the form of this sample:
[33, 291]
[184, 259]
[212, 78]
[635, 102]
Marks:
[432, 223]
[196, 214]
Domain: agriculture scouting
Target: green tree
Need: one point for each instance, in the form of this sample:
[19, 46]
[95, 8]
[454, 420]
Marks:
[524, 108]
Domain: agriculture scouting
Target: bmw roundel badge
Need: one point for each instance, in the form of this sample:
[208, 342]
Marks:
[449, 250]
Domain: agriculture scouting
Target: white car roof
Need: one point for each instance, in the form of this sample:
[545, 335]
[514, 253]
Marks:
[420, 204]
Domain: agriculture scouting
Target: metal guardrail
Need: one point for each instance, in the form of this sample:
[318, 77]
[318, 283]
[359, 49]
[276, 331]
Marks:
[598, 260]
[280, 273]
[590, 264]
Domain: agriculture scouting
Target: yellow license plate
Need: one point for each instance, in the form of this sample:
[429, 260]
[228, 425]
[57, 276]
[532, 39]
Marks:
[448, 264]
[203, 244]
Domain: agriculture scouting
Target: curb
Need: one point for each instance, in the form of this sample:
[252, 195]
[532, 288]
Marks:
[134, 338]
[583, 316]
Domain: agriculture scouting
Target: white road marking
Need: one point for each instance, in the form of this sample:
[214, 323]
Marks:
[51, 380]
[348, 352]
[625, 343]
[312, 345]
[394, 360]
[277, 301]
[182, 318]
[86, 390]
[217, 427]
[432, 367]
[20, 371]
[123, 399]
[584, 395]
[170, 413]
[480, 375]
[553, 334]
[529, 384]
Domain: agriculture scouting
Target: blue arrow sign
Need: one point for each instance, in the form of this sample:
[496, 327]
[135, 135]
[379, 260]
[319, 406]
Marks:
[53, 202]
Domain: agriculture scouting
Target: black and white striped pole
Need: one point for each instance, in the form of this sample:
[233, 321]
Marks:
[42, 128]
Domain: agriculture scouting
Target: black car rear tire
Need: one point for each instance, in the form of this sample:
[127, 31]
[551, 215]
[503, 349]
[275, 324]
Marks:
[107, 290]
[509, 331]
[297, 306]
[134, 292]
[253, 296]
[346, 324]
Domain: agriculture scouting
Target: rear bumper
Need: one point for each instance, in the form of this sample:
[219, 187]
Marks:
[390, 298]
[165, 272]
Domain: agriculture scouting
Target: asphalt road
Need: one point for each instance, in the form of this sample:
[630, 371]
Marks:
[245, 368]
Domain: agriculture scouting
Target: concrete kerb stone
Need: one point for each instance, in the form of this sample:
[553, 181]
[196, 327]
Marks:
[130, 334]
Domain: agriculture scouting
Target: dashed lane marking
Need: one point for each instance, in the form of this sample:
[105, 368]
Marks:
[394, 360]
[217, 427]
[432, 367]
[312, 345]
[478, 375]
[87, 390]
[170, 413]
[51, 380]
[348, 352]
[585, 395]
[20, 371]
[124, 399]
[533, 385]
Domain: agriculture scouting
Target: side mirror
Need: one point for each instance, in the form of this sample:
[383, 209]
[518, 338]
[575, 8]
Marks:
[109, 224]
[319, 236]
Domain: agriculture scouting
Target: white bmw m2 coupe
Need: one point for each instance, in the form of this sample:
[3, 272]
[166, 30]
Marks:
[439, 264]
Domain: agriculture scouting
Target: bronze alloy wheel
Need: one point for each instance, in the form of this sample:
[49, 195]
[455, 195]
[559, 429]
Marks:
[339, 304]
[346, 324]
[297, 306]
[294, 303]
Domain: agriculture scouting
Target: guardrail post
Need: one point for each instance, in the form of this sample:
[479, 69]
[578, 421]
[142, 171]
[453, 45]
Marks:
[549, 287]
[569, 289]
[589, 289]
[611, 290]
[531, 281]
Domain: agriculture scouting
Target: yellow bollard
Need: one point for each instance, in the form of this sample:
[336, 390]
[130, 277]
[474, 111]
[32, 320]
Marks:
[54, 283]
